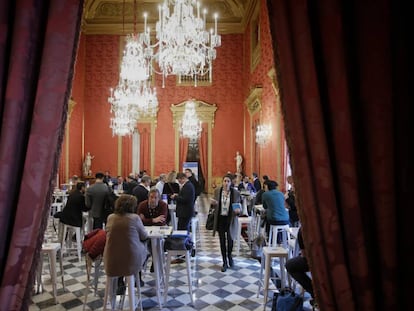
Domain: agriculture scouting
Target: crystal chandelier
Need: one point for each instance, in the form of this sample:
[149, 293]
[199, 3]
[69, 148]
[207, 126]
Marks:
[133, 97]
[136, 59]
[263, 133]
[190, 126]
[185, 47]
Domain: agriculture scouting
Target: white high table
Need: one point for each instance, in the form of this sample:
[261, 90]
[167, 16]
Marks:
[157, 234]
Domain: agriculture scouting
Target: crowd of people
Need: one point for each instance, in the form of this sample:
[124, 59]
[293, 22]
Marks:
[143, 202]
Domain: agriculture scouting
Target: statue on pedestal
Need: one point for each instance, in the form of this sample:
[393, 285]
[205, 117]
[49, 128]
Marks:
[87, 164]
[239, 162]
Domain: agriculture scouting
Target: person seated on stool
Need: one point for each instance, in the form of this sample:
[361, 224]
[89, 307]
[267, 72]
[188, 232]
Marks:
[274, 203]
[126, 248]
[225, 219]
[72, 212]
[153, 212]
[298, 267]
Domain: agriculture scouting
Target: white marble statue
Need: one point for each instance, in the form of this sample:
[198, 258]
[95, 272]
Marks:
[87, 164]
[239, 162]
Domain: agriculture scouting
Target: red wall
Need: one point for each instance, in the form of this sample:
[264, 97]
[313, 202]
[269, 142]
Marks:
[271, 157]
[101, 73]
[97, 71]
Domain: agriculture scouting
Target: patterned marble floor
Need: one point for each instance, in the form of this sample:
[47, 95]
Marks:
[213, 290]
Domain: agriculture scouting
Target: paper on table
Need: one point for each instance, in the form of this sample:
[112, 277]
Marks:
[180, 232]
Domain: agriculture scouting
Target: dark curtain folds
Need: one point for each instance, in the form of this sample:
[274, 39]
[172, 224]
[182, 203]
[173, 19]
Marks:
[145, 142]
[38, 44]
[183, 152]
[343, 74]
[202, 147]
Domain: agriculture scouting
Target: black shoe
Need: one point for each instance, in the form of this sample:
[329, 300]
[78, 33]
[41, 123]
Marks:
[231, 263]
[121, 290]
[177, 260]
[224, 268]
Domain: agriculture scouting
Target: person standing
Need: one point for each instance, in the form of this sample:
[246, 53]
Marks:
[141, 191]
[185, 202]
[171, 186]
[130, 184]
[125, 250]
[189, 173]
[225, 219]
[256, 182]
[95, 200]
[160, 183]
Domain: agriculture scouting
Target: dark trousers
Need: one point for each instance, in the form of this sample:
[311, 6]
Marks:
[184, 223]
[97, 223]
[226, 245]
[297, 268]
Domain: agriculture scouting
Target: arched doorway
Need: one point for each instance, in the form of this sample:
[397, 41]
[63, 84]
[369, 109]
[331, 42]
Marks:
[206, 114]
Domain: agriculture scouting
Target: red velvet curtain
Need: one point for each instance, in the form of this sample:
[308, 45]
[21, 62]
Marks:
[343, 72]
[183, 152]
[38, 43]
[202, 148]
[145, 142]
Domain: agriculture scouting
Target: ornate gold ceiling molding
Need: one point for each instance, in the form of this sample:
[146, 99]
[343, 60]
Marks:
[108, 16]
[254, 100]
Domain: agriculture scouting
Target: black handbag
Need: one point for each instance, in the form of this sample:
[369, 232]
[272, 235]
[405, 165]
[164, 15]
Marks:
[178, 243]
[210, 219]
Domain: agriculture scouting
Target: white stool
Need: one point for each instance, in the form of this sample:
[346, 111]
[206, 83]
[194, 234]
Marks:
[195, 233]
[78, 238]
[171, 253]
[274, 230]
[266, 263]
[110, 290]
[241, 221]
[55, 207]
[96, 263]
[51, 249]
[173, 216]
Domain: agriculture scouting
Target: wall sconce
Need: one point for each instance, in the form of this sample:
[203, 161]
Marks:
[263, 133]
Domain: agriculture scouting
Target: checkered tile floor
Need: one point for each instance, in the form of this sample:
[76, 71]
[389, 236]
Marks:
[213, 290]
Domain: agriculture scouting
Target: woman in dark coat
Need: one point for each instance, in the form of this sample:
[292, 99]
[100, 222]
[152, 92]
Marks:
[226, 219]
[72, 212]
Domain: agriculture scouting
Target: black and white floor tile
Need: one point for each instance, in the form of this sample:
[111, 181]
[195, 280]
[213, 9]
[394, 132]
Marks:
[213, 290]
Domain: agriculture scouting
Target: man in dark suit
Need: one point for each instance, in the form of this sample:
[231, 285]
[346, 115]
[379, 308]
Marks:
[95, 200]
[130, 184]
[141, 191]
[185, 202]
[189, 173]
[256, 182]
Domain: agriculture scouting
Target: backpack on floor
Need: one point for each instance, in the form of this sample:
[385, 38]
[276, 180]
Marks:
[287, 300]
[257, 246]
